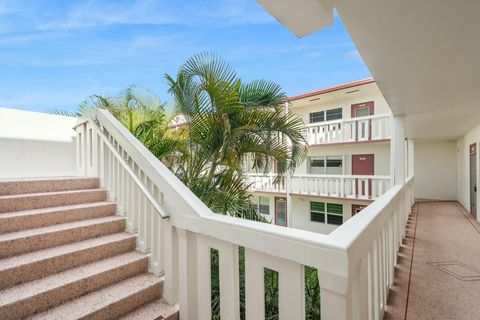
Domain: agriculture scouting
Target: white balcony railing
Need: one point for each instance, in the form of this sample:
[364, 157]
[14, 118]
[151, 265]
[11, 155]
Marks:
[340, 186]
[355, 262]
[361, 129]
[265, 183]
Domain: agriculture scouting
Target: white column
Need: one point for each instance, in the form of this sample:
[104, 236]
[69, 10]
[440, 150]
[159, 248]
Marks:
[411, 157]
[397, 151]
[335, 305]
[288, 189]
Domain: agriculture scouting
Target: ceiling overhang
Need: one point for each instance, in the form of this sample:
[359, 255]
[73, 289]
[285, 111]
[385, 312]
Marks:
[424, 56]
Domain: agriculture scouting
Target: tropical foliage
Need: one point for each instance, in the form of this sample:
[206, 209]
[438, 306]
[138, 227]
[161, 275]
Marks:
[227, 122]
[142, 113]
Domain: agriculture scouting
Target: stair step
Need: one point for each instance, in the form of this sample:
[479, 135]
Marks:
[36, 239]
[30, 201]
[37, 218]
[110, 302]
[36, 185]
[39, 264]
[157, 309]
[39, 295]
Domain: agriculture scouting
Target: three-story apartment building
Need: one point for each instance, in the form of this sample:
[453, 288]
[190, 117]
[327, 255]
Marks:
[348, 163]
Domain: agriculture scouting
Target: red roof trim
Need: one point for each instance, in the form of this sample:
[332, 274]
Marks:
[334, 88]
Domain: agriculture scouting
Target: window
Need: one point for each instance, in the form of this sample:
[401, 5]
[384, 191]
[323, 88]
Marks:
[264, 205]
[334, 165]
[325, 165]
[316, 165]
[362, 112]
[329, 115]
[317, 116]
[332, 215]
[317, 211]
[334, 114]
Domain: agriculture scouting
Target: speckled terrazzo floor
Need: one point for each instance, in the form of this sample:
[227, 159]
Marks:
[443, 281]
[64, 254]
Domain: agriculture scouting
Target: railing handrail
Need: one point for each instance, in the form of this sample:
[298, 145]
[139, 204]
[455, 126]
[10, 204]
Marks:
[359, 231]
[193, 215]
[343, 120]
[351, 261]
[328, 253]
[158, 208]
[148, 163]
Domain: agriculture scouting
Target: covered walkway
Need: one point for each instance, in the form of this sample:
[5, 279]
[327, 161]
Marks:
[438, 271]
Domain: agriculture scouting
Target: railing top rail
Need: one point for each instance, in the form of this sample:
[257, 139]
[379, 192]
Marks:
[157, 207]
[358, 232]
[341, 176]
[326, 123]
[324, 176]
[190, 213]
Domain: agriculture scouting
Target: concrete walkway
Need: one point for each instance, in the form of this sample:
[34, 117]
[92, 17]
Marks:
[438, 271]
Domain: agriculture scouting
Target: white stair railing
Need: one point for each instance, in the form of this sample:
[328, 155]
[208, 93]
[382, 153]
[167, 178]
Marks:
[355, 262]
[361, 129]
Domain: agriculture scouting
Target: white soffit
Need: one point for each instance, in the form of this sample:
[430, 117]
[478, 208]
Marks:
[300, 17]
[424, 55]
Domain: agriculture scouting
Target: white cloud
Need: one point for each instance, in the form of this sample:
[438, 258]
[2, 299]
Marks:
[353, 55]
[149, 12]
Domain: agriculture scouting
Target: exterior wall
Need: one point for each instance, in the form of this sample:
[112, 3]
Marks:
[271, 216]
[380, 150]
[463, 168]
[368, 92]
[435, 170]
[36, 144]
[299, 217]
[299, 214]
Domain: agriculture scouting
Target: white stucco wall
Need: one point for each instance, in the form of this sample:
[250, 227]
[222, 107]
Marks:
[299, 217]
[36, 144]
[381, 151]
[463, 168]
[341, 100]
[435, 170]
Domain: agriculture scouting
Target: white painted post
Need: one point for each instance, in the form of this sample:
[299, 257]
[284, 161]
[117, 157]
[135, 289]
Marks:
[411, 157]
[335, 305]
[187, 286]
[170, 252]
[204, 293]
[397, 151]
[254, 287]
[81, 157]
[360, 290]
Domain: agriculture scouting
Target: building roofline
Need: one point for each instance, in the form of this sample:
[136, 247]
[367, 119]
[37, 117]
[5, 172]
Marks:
[331, 89]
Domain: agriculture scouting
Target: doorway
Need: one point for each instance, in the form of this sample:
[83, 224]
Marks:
[362, 110]
[356, 208]
[473, 180]
[363, 165]
[281, 211]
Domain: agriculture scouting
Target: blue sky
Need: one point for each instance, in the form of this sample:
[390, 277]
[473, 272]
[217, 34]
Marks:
[53, 54]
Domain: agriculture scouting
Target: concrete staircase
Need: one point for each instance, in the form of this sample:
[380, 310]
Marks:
[64, 254]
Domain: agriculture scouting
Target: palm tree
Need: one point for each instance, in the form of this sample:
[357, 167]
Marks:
[143, 114]
[229, 121]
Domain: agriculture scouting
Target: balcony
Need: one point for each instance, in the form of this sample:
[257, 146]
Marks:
[337, 186]
[354, 130]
